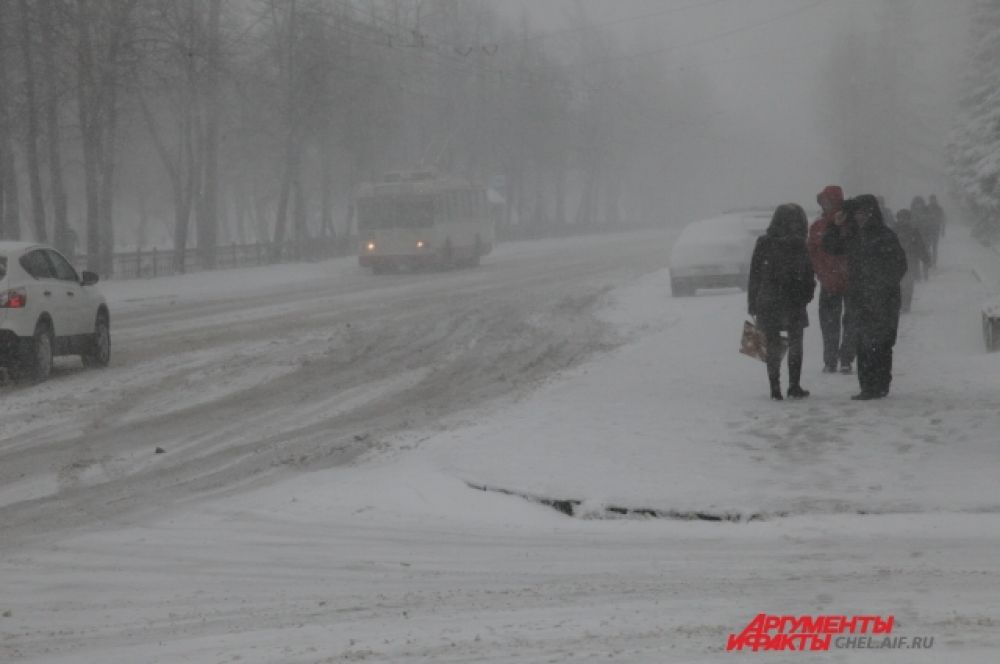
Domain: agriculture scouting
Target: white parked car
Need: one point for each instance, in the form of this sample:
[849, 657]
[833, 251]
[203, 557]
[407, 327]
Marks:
[47, 309]
[716, 252]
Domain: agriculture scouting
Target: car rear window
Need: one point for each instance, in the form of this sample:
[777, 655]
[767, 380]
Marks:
[37, 265]
[3, 267]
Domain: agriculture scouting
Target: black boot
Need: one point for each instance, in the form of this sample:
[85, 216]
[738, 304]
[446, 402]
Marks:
[774, 377]
[796, 392]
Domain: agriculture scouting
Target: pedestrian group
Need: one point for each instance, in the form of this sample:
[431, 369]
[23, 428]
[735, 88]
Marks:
[867, 260]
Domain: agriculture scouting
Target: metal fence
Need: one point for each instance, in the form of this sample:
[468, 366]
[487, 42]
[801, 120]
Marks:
[148, 263]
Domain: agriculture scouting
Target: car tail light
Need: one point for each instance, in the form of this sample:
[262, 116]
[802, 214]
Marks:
[15, 298]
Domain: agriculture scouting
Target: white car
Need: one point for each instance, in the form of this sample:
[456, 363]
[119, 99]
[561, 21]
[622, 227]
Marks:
[47, 309]
[716, 252]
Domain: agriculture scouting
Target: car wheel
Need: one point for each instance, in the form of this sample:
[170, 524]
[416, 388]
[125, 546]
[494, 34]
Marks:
[35, 362]
[98, 354]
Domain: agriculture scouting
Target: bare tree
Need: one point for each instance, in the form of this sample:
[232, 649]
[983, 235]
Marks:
[285, 37]
[280, 107]
[31, 137]
[10, 223]
[63, 238]
[91, 130]
[208, 222]
[103, 34]
[173, 82]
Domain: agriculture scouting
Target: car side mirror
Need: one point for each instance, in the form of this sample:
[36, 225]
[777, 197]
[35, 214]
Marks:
[90, 278]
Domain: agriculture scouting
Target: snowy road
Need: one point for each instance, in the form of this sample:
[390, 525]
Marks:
[313, 503]
[241, 378]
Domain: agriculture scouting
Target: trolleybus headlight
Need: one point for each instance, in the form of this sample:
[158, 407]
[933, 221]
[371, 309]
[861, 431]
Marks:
[370, 246]
[420, 244]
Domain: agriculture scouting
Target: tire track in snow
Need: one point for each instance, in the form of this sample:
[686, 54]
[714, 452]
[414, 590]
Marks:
[400, 352]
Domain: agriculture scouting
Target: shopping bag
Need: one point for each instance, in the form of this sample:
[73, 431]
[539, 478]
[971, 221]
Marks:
[754, 342]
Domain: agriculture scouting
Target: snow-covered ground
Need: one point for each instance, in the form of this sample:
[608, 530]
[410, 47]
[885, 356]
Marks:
[633, 401]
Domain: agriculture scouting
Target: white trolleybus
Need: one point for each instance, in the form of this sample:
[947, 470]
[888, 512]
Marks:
[416, 219]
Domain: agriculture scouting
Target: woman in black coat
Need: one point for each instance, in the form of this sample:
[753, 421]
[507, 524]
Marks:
[781, 285]
[876, 264]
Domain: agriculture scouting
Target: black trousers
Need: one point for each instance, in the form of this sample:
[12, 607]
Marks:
[773, 335]
[875, 365]
[837, 325]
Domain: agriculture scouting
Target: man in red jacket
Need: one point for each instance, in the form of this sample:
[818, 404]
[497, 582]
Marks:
[835, 321]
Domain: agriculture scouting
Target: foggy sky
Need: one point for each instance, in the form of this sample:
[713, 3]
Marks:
[768, 61]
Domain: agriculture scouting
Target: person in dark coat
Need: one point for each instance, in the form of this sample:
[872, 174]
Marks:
[921, 218]
[937, 221]
[839, 344]
[918, 257]
[781, 285]
[876, 264]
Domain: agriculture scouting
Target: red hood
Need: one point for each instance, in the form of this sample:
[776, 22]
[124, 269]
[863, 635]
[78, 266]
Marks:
[835, 195]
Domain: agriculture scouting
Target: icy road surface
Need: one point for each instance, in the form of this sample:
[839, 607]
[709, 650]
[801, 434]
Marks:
[239, 375]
